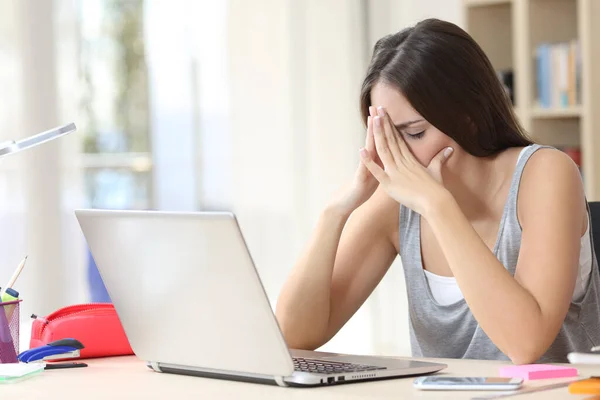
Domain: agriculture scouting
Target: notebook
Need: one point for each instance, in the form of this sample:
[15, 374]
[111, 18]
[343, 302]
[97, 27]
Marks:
[13, 372]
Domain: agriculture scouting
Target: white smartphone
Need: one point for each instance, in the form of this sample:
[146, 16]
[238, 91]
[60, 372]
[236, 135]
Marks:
[12, 146]
[467, 383]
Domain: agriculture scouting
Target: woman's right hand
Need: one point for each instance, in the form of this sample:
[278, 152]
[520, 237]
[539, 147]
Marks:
[364, 183]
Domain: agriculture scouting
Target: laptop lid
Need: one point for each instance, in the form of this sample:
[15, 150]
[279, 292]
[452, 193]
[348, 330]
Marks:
[186, 290]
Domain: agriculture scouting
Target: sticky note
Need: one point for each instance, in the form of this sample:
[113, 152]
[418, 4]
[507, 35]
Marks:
[537, 371]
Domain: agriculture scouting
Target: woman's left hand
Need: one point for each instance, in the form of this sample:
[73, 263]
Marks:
[402, 176]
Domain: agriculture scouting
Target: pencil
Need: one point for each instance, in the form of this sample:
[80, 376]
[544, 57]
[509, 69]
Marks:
[15, 275]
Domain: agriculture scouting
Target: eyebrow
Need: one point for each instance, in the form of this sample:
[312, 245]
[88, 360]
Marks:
[407, 124]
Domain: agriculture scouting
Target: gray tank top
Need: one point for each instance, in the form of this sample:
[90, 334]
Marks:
[451, 331]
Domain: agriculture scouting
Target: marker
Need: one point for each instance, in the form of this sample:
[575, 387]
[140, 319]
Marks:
[9, 294]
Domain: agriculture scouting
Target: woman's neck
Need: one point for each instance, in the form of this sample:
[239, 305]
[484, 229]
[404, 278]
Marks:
[477, 183]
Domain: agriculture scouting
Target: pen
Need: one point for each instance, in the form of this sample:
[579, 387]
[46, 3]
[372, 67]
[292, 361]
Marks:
[65, 365]
[16, 274]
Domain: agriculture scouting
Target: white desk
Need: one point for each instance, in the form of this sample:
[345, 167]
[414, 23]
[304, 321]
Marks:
[129, 378]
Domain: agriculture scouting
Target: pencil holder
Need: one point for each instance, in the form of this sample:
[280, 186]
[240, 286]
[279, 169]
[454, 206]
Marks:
[9, 331]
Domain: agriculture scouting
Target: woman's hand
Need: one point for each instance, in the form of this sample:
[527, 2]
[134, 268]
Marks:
[402, 176]
[364, 183]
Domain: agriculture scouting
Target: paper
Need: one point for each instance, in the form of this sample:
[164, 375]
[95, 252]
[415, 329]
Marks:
[19, 370]
[584, 358]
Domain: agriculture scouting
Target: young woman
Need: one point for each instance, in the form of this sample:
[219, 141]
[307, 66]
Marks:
[492, 230]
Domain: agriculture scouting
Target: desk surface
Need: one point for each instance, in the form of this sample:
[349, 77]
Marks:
[129, 378]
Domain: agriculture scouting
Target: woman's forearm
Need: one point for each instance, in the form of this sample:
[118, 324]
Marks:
[303, 306]
[507, 312]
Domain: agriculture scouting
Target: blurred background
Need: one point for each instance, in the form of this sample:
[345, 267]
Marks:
[250, 106]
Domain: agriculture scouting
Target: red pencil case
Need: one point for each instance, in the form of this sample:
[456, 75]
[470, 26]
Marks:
[95, 325]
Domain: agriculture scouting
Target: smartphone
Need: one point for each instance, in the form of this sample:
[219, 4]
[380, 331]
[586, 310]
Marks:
[467, 383]
[13, 146]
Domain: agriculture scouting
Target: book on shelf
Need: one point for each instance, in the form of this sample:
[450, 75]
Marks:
[508, 83]
[558, 74]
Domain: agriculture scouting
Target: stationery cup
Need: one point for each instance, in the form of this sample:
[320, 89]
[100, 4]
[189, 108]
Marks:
[9, 331]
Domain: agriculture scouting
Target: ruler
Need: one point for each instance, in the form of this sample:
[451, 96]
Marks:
[524, 391]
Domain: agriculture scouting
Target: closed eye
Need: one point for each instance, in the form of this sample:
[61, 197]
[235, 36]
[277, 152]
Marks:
[416, 135]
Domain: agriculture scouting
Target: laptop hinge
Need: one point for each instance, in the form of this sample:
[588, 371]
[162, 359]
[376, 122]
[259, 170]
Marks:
[154, 366]
[279, 380]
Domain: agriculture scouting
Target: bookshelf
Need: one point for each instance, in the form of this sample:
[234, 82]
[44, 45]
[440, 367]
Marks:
[486, 2]
[551, 50]
[562, 112]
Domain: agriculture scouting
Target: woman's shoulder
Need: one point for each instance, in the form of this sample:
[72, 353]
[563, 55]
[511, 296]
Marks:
[550, 178]
[544, 161]
[549, 162]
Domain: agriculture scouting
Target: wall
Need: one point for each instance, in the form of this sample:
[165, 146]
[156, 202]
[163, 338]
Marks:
[295, 75]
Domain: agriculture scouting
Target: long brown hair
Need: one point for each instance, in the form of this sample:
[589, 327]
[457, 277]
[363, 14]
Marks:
[449, 80]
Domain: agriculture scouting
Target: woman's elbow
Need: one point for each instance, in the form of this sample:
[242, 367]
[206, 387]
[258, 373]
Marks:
[523, 358]
[297, 338]
[299, 344]
[299, 341]
[526, 352]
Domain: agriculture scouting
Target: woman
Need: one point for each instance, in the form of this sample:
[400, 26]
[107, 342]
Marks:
[492, 230]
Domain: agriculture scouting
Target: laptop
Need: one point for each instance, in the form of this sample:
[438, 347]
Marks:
[191, 302]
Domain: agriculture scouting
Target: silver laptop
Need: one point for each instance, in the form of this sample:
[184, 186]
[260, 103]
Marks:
[191, 302]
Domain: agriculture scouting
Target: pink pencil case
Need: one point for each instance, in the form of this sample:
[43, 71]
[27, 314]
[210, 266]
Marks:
[537, 371]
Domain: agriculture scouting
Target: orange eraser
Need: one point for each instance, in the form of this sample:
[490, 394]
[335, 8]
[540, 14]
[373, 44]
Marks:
[586, 386]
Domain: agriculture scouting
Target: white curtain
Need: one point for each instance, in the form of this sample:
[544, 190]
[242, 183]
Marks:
[48, 281]
[295, 75]
[12, 173]
[37, 185]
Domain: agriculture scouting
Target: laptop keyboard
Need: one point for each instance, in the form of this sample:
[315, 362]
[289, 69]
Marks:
[330, 367]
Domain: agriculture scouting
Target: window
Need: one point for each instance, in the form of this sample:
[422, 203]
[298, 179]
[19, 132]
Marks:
[111, 104]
